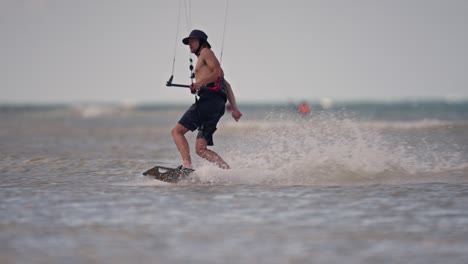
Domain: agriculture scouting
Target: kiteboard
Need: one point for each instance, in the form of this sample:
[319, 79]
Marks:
[166, 174]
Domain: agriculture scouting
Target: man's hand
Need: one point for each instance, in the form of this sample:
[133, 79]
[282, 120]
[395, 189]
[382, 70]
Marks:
[195, 87]
[236, 114]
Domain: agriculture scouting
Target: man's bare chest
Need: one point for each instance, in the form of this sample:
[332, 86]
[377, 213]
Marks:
[201, 68]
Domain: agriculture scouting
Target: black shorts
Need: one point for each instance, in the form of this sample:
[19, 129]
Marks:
[204, 115]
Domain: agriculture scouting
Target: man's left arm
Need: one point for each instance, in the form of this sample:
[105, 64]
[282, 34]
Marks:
[236, 113]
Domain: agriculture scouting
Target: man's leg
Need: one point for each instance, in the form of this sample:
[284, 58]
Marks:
[178, 134]
[209, 155]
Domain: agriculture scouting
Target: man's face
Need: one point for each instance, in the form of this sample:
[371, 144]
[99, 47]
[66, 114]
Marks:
[193, 44]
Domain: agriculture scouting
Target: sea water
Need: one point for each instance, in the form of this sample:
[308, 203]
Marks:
[355, 183]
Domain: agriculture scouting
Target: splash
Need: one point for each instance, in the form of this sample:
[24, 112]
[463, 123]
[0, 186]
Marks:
[329, 149]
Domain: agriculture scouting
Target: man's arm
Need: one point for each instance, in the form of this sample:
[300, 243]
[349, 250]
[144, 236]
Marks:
[236, 114]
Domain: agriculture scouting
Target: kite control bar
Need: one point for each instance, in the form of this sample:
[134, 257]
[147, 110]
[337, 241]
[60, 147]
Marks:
[169, 83]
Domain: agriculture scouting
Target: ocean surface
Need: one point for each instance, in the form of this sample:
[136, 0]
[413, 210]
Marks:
[349, 183]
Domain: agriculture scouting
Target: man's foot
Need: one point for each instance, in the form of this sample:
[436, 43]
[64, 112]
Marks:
[184, 170]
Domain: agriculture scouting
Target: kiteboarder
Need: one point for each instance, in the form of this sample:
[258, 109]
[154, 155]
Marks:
[213, 91]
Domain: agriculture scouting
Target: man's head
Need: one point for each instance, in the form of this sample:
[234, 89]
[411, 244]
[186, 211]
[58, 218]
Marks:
[196, 40]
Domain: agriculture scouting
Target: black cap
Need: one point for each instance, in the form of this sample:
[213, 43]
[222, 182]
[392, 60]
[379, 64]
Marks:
[198, 34]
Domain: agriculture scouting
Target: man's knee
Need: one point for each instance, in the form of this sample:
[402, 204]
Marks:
[174, 132]
[178, 130]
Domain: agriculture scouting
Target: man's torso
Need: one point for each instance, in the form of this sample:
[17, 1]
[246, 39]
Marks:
[202, 69]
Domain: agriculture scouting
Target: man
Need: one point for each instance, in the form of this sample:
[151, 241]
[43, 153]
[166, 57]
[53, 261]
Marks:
[204, 114]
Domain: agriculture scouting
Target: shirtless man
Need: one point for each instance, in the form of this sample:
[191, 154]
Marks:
[213, 91]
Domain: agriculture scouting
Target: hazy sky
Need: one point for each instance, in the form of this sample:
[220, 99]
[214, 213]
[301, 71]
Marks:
[122, 50]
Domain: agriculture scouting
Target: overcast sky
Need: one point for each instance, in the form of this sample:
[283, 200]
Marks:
[122, 50]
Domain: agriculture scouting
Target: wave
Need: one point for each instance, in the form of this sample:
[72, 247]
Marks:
[98, 110]
[416, 125]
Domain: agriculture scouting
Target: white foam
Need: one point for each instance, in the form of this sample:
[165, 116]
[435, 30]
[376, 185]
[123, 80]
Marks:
[140, 180]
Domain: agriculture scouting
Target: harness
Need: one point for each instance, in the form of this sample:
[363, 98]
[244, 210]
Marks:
[214, 86]
[217, 87]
